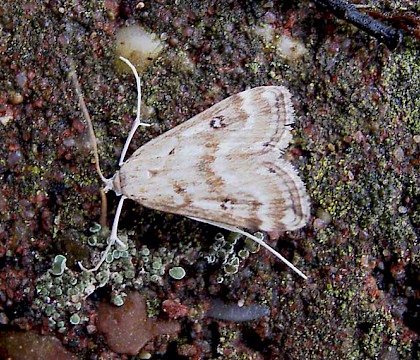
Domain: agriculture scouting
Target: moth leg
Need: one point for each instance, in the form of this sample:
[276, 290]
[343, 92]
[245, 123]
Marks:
[114, 231]
[113, 238]
[137, 121]
[257, 240]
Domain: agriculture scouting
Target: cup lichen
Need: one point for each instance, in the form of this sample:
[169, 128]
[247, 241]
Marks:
[59, 265]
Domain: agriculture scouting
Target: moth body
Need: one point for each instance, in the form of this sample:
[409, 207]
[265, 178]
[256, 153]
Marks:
[224, 165]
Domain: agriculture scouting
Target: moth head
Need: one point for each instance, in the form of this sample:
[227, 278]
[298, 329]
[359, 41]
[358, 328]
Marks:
[115, 184]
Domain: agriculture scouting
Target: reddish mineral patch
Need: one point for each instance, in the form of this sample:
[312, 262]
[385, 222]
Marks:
[127, 328]
[174, 309]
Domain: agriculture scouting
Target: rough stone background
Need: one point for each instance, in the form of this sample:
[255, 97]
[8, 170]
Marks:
[357, 137]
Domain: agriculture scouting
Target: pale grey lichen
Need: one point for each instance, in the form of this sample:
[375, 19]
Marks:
[243, 254]
[102, 277]
[59, 265]
[75, 319]
[61, 292]
[92, 241]
[118, 299]
[109, 258]
[177, 273]
[229, 251]
[95, 228]
[251, 245]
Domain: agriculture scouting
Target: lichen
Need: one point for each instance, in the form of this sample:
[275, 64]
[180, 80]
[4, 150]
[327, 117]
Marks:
[229, 252]
[62, 291]
[59, 265]
[356, 142]
[177, 273]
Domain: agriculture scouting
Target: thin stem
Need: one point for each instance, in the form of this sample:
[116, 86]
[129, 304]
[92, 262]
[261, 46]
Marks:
[84, 109]
[104, 209]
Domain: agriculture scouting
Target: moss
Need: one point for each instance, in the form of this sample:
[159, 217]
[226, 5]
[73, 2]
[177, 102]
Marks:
[402, 75]
[153, 307]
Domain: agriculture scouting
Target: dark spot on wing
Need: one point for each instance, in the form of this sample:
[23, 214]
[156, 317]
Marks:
[178, 188]
[218, 122]
[227, 203]
[153, 172]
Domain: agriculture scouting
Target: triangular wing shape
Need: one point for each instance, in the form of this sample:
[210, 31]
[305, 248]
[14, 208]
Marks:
[224, 165]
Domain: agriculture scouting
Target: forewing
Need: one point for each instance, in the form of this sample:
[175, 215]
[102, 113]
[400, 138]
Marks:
[224, 165]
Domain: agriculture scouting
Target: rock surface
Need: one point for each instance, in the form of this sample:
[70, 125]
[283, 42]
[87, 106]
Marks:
[128, 328]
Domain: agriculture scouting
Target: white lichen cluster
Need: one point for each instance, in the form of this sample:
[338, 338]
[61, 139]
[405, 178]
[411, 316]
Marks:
[61, 292]
[229, 252]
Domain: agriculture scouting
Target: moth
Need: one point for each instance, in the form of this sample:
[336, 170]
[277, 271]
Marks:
[224, 167]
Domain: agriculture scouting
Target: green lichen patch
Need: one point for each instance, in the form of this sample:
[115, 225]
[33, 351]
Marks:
[59, 265]
[177, 273]
[61, 292]
[229, 251]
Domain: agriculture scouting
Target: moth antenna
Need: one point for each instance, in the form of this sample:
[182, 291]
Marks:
[137, 121]
[108, 182]
[257, 240]
[113, 238]
[92, 137]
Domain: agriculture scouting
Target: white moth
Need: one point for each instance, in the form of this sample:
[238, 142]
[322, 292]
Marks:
[224, 167]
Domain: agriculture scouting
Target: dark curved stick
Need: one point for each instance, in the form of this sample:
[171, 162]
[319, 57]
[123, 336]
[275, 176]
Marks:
[388, 35]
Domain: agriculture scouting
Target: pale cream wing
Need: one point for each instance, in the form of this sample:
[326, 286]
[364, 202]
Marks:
[224, 165]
